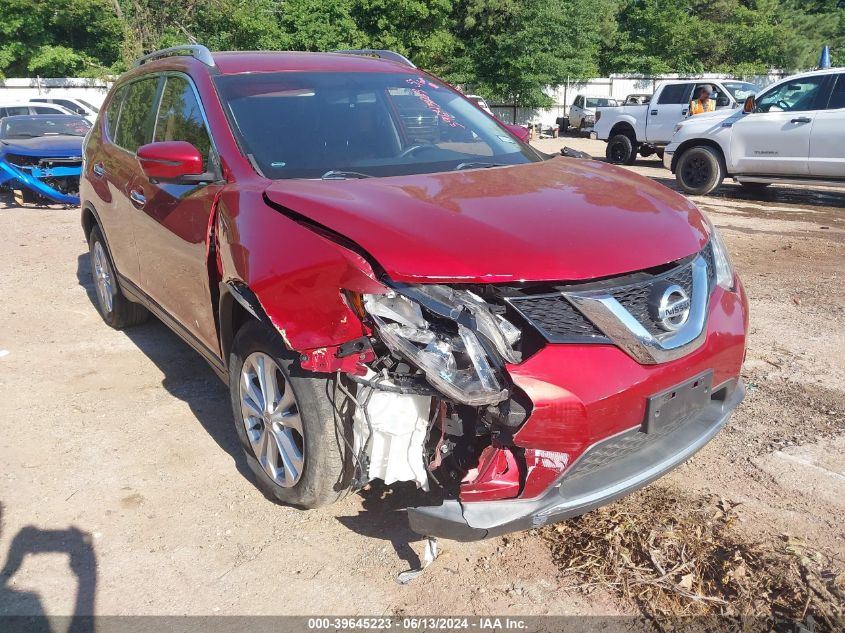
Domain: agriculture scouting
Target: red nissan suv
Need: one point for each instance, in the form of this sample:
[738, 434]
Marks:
[394, 286]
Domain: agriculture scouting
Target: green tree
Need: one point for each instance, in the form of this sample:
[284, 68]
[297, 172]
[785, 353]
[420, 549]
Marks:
[514, 48]
[58, 37]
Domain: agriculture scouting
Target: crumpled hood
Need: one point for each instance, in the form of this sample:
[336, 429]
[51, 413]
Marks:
[561, 219]
[50, 146]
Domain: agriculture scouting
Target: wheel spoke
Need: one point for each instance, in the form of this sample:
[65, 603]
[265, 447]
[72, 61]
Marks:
[291, 420]
[267, 381]
[290, 455]
[251, 392]
[286, 403]
[250, 408]
[271, 452]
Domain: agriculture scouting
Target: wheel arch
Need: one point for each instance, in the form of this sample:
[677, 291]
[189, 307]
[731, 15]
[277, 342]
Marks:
[237, 305]
[90, 219]
[698, 142]
[623, 127]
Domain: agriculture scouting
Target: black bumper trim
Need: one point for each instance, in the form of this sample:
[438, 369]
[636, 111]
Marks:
[564, 500]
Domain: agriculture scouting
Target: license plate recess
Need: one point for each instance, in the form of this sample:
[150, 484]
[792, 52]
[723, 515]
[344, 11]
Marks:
[678, 402]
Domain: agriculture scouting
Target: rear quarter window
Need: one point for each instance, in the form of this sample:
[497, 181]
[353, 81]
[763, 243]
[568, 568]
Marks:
[675, 93]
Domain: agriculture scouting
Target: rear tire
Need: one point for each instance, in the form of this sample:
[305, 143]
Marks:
[620, 150]
[294, 437]
[116, 310]
[699, 170]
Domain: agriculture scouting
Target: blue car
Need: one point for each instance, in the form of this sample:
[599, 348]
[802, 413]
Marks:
[41, 157]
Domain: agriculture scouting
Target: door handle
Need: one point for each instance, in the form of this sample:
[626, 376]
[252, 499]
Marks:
[653, 112]
[137, 198]
[801, 119]
[99, 170]
[684, 112]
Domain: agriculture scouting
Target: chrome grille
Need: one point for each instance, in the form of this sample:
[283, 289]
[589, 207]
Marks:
[557, 319]
[560, 322]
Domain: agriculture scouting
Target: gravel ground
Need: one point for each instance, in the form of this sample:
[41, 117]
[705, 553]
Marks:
[122, 476]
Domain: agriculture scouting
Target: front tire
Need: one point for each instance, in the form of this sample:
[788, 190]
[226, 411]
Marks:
[116, 310]
[294, 437]
[620, 150]
[699, 170]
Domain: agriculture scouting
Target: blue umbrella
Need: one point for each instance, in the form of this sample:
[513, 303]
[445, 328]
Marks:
[824, 60]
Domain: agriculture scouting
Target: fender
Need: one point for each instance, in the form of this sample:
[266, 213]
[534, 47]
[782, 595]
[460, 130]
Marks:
[608, 121]
[293, 277]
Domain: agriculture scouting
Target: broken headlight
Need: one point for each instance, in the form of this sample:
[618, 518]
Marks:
[450, 335]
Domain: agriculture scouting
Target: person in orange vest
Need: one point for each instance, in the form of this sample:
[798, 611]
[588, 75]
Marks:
[704, 103]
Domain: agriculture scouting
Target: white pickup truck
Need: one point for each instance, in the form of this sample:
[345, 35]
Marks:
[648, 128]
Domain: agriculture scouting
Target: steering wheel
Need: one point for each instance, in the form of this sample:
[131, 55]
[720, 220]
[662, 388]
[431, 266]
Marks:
[783, 105]
[413, 149]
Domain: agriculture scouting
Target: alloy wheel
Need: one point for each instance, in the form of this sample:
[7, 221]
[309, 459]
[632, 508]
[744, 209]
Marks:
[272, 419]
[618, 152]
[696, 171]
[103, 278]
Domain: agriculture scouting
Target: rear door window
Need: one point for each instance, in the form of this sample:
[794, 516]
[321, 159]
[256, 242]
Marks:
[837, 97]
[135, 124]
[45, 110]
[675, 93]
[180, 117]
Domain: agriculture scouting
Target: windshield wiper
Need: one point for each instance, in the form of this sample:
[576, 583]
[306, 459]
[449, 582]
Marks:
[339, 174]
[473, 164]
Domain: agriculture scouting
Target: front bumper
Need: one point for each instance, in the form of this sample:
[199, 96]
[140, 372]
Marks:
[668, 153]
[30, 178]
[577, 491]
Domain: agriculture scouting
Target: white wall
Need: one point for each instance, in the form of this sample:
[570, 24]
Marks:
[92, 90]
[615, 86]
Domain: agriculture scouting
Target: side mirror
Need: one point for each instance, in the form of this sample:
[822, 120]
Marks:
[172, 161]
[749, 105]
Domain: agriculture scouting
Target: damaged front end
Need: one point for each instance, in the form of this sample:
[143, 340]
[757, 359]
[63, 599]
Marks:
[436, 405]
[34, 177]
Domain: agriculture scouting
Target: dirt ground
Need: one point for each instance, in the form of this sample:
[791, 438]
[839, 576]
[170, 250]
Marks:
[123, 490]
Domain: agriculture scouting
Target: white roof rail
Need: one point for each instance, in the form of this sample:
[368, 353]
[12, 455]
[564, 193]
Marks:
[197, 51]
[382, 54]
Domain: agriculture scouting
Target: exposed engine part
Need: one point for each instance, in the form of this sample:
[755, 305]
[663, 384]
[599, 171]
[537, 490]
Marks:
[389, 431]
[398, 383]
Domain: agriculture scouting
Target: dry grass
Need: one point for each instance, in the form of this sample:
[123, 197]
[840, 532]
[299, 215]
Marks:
[676, 556]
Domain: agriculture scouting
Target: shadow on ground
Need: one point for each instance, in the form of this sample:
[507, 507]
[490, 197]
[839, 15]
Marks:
[22, 610]
[384, 516]
[186, 375]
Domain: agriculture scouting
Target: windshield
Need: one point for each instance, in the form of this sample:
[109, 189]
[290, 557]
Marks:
[90, 106]
[313, 125]
[601, 103]
[31, 127]
[740, 90]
